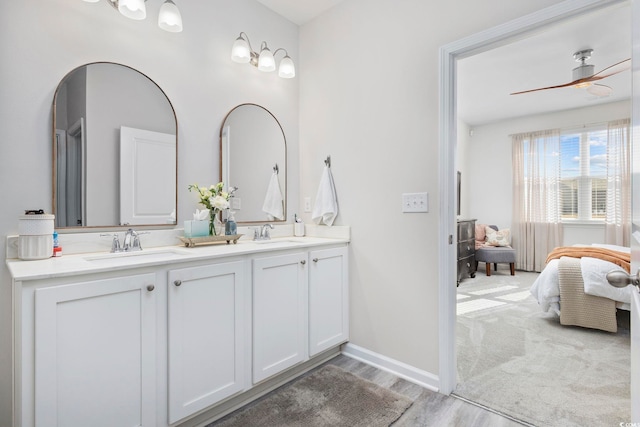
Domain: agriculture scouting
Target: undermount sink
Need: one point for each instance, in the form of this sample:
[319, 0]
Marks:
[138, 256]
[276, 240]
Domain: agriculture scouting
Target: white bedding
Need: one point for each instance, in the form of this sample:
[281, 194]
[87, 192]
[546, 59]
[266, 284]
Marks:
[546, 289]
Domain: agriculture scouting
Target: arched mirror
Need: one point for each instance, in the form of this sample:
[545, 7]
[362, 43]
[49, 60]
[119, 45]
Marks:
[253, 158]
[114, 149]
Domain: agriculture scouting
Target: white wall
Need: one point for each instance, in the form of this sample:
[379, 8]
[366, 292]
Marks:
[462, 160]
[42, 40]
[489, 164]
[369, 98]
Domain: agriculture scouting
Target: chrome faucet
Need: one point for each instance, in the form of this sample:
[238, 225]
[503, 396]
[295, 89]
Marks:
[131, 242]
[262, 233]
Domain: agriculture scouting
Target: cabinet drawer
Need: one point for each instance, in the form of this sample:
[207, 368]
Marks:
[466, 248]
[466, 230]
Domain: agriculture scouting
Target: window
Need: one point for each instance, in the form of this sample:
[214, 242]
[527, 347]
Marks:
[583, 175]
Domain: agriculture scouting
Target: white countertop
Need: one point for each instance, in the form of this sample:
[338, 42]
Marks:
[101, 261]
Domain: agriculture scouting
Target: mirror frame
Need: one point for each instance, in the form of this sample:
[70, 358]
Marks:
[55, 152]
[286, 161]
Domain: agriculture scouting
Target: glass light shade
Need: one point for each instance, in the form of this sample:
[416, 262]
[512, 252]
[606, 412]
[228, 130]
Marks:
[265, 61]
[240, 51]
[169, 18]
[92, 1]
[582, 85]
[287, 70]
[133, 9]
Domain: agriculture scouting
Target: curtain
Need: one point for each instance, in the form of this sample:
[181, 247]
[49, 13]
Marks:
[536, 226]
[617, 227]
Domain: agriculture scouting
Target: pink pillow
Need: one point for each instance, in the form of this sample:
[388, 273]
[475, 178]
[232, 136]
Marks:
[480, 232]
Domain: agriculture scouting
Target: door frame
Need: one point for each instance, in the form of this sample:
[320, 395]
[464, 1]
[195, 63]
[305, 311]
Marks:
[449, 54]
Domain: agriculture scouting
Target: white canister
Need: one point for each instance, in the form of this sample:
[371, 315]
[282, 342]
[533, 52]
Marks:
[298, 229]
[36, 236]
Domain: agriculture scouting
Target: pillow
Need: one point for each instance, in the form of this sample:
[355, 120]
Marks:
[481, 236]
[498, 238]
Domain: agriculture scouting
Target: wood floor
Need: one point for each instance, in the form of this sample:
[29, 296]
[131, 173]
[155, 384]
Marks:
[429, 408]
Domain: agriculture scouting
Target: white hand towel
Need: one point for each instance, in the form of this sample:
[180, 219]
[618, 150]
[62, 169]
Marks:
[273, 201]
[326, 207]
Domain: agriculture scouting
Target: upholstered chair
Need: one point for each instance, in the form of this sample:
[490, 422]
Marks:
[496, 255]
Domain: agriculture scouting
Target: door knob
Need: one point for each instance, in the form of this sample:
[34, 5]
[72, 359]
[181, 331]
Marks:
[315, 260]
[620, 279]
[303, 262]
[177, 282]
[150, 287]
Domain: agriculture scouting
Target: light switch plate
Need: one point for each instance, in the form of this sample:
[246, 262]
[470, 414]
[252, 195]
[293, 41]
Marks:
[415, 202]
[236, 203]
[307, 204]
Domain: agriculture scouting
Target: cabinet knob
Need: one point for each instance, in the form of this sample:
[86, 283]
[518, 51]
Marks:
[150, 287]
[315, 260]
[177, 282]
[303, 262]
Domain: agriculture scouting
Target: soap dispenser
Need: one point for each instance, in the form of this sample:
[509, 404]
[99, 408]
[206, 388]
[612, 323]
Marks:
[230, 227]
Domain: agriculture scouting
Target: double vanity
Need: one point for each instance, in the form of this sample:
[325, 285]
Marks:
[171, 335]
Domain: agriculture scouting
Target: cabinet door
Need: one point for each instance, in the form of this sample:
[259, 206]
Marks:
[95, 353]
[328, 299]
[206, 341]
[279, 313]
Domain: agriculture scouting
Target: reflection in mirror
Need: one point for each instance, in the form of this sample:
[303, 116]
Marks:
[114, 149]
[253, 158]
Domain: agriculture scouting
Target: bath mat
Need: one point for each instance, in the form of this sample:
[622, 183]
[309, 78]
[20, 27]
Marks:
[329, 396]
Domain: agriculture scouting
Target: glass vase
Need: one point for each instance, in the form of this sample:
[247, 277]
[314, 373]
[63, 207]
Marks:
[215, 226]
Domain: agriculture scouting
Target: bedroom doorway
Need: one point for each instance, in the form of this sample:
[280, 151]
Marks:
[449, 55]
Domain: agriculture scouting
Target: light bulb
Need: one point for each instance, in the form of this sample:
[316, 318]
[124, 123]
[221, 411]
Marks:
[287, 70]
[265, 61]
[240, 51]
[133, 9]
[169, 18]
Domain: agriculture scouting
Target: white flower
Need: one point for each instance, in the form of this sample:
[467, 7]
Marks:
[219, 202]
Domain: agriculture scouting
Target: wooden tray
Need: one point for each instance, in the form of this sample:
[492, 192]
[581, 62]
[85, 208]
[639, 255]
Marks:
[190, 242]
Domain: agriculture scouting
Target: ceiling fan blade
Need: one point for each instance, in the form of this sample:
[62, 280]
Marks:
[614, 69]
[545, 88]
[599, 90]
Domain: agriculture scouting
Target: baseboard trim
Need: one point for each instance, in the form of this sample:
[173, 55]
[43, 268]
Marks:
[417, 376]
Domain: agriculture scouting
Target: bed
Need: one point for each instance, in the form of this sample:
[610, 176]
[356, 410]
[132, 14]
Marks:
[576, 289]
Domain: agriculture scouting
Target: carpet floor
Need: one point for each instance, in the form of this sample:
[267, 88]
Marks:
[516, 359]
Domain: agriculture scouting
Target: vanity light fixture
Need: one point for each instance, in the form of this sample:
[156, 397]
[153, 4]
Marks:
[169, 18]
[242, 53]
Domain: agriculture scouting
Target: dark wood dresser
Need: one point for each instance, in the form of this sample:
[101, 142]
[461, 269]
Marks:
[466, 249]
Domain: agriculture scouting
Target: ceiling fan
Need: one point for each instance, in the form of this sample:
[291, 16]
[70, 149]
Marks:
[584, 77]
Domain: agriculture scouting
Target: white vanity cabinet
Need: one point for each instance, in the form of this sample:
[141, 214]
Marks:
[328, 299]
[94, 353]
[173, 338]
[206, 336]
[279, 313]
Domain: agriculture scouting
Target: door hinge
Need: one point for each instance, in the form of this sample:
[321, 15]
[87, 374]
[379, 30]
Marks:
[451, 239]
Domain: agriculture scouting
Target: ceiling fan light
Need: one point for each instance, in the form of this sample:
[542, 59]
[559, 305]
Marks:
[266, 62]
[582, 85]
[169, 18]
[133, 9]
